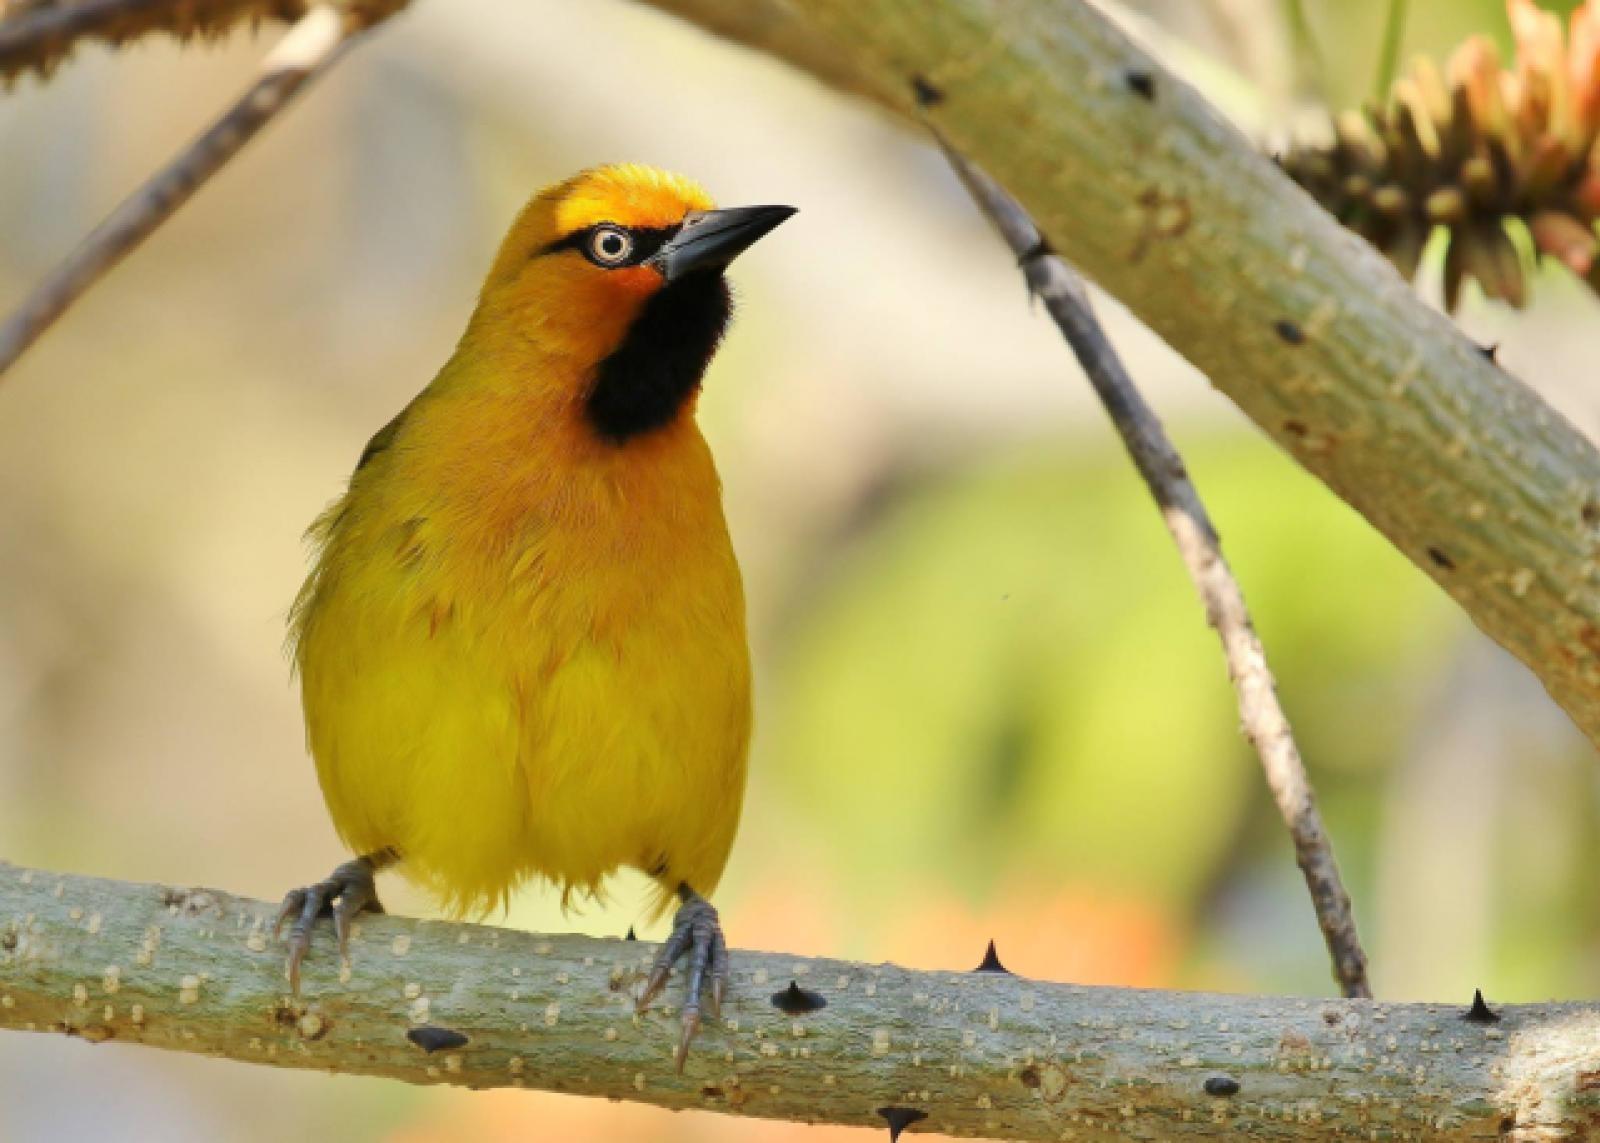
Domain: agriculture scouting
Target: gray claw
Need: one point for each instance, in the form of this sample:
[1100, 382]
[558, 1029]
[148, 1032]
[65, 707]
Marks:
[719, 972]
[691, 1025]
[349, 890]
[292, 901]
[697, 934]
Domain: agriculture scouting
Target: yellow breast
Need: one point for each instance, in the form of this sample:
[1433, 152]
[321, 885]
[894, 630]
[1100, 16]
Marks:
[523, 651]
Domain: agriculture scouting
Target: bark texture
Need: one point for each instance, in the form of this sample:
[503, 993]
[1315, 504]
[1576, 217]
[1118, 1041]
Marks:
[980, 1053]
[1137, 181]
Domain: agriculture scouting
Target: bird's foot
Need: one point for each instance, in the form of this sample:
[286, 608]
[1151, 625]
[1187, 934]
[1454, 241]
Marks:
[697, 936]
[348, 890]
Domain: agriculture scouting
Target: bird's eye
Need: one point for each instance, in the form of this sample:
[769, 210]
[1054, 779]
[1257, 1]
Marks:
[610, 246]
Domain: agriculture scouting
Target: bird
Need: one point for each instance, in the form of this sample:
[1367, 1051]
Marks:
[521, 646]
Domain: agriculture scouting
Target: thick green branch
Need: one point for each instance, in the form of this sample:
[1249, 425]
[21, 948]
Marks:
[1140, 183]
[196, 970]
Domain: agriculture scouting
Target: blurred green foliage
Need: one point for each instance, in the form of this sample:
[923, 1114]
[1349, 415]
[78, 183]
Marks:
[1011, 657]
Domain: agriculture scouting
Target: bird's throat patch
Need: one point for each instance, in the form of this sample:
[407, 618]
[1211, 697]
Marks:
[644, 383]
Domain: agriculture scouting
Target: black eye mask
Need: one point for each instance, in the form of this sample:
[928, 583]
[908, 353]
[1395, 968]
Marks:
[647, 243]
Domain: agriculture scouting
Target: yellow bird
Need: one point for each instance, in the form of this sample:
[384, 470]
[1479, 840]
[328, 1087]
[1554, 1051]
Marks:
[522, 646]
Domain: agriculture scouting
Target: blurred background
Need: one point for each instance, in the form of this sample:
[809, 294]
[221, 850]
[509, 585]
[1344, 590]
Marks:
[988, 703]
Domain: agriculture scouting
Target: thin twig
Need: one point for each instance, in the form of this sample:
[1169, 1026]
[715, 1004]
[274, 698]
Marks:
[1265, 724]
[306, 50]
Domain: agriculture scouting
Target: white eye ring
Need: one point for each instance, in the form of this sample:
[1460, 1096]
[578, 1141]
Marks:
[610, 245]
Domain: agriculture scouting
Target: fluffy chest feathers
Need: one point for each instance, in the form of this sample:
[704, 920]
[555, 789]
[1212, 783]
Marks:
[512, 614]
[492, 499]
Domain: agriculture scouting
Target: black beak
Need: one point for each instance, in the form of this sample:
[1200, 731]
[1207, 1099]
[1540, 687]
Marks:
[710, 239]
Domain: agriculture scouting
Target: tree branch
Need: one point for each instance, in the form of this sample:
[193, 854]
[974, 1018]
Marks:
[37, 35]
[1137, 181]
[980, 1053]
[309, 48]
[1266, 726]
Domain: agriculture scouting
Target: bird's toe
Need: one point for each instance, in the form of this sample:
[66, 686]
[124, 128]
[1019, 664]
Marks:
[348, 891]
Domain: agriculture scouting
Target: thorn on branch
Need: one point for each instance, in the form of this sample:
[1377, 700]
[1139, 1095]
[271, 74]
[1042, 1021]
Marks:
[797, 1001]
[991, 962]
[1480, 1013]
[632, 936]
[431, 1039]
[899, 1118]
[927, 95]
[1040, 249]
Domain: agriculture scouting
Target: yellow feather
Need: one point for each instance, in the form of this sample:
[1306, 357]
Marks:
[522, 648]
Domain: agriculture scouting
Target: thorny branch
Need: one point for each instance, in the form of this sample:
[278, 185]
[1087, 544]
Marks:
[971, 1053]
[1262, 715]
[309, 48]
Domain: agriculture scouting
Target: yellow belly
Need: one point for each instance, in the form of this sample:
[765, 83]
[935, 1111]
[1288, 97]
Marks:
[552, 699]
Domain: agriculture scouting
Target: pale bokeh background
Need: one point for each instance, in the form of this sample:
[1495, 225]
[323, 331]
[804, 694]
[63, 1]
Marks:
[988, 705]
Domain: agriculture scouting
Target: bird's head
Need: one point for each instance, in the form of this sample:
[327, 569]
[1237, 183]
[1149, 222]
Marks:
[620, 269]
